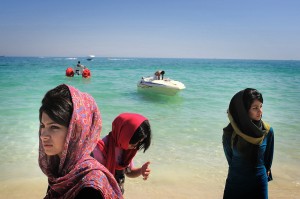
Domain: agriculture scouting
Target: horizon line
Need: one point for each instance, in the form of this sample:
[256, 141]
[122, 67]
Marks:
[129, 57]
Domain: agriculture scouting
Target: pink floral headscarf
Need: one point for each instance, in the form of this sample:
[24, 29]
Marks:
[76, 169]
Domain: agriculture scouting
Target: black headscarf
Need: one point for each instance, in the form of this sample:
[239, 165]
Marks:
[240, 115]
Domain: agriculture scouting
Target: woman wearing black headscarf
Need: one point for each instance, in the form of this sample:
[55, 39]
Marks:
[248, 144]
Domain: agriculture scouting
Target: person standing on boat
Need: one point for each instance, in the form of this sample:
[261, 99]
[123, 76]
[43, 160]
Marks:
[159, 73]
[248, 144]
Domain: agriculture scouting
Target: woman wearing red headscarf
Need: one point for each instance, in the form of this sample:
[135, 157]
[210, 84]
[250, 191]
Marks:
[70, 124]
[130, 132]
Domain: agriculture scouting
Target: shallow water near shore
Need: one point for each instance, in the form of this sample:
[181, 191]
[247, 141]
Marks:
[186, 154]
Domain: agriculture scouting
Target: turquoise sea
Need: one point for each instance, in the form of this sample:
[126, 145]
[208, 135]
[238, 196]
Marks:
[186, 154]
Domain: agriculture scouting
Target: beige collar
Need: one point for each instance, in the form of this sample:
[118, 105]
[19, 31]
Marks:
[248, 138]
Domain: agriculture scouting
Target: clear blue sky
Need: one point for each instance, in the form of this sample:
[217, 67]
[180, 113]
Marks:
[242, 29]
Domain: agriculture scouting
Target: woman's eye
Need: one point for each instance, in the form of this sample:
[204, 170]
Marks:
[54, 127]
[42, 126]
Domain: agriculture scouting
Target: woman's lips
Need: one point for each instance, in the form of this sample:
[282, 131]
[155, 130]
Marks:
[47, 145]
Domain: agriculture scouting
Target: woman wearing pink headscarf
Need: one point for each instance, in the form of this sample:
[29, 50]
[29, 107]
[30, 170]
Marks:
[130, 132]
[70, 124]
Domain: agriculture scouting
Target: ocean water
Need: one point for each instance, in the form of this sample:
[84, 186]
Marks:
[187, 128]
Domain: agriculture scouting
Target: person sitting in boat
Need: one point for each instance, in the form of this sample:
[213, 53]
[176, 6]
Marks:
[158, 74]
[79, 68]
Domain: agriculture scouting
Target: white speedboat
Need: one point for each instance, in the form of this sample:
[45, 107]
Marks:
[166, 86]
[90, 57]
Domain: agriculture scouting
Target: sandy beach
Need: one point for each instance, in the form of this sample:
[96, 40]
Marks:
[181, 186]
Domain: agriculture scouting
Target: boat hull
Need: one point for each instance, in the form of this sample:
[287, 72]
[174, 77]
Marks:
[90, 57]
[166, 87]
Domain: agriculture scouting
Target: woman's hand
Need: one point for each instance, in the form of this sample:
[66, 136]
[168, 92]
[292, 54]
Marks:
[145, 170]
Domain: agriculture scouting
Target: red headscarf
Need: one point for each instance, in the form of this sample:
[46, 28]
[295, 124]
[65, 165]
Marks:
[123, 128]
[76, 169]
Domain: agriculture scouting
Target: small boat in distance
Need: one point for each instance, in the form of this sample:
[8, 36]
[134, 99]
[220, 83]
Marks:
[90, 57]
[162, 86]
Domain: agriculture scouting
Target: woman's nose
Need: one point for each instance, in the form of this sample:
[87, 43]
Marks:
[43, 133]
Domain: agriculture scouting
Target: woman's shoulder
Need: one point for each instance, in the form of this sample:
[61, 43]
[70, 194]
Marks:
[271, 131]
[268, 127]
[105, 139]
[228, 130]
[89, 192]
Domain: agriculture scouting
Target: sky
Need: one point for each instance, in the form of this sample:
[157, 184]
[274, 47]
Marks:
[217, 29]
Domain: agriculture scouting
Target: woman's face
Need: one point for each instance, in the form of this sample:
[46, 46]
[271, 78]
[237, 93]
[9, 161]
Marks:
[133, 146]
[255, 111]
[52, 135]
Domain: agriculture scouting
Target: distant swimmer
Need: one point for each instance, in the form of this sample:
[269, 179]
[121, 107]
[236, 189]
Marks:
[158, 74]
